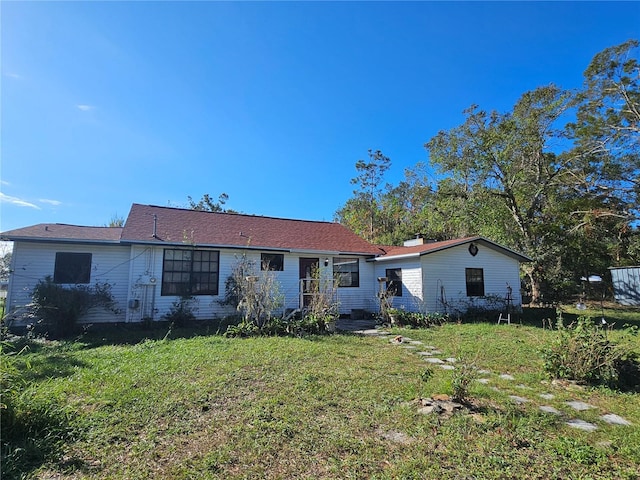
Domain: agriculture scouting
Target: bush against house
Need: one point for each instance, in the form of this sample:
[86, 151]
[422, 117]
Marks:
[60, 307]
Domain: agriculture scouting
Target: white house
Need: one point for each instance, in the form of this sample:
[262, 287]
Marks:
[451, 276]
[163, 252]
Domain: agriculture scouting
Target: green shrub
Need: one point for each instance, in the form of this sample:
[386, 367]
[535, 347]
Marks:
[245, 328]
[461, 380]
[403, 318]
[583, 352]
[180, 313]
[297, 327]
[61, 307]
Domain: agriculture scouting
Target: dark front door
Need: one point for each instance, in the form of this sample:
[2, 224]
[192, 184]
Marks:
[308, 268]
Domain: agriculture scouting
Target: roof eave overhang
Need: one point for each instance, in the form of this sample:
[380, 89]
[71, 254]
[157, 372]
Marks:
[263, 248]
[59, 240]
[388, 258]
[510, 253]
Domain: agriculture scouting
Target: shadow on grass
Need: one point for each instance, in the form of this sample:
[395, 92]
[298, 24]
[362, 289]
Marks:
[34, 432]
[617, 317]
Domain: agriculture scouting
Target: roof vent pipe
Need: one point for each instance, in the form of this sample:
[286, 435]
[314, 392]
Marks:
[155, 226]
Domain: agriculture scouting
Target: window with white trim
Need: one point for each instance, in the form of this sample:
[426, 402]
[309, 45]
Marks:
[394, 281]
[272, 261]
[347, 271]
[190, 272]
[72, 268]
[475, 282]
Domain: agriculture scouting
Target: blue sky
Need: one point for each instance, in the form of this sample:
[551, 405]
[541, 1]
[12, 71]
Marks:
[107, 104]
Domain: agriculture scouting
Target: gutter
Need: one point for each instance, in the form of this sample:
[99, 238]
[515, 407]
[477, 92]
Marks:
[58, 240]
[395, 257]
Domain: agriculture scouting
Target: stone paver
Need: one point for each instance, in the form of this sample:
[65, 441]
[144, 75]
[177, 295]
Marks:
[506, 376]
[433, 360]
[547, 396]
[447, 367]
[397, 437]
[416, 342]
[483, 380]
[579, 406]
[484, 372]
[425, 354]
[549, 409]
[518, 400]
[451, 360]
[582, 425]
[613, 419]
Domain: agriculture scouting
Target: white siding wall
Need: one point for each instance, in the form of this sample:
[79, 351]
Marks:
[34, 261]
[411, 299]
[146, 263]
[362, 297]
[447, 269]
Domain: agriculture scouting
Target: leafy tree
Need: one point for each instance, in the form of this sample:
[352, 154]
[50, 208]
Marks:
[115, 221]
[366, 203]
[564, 193]
[406, 209]
[606, 151]
[5, 265]
[505, 162]
[207, 204]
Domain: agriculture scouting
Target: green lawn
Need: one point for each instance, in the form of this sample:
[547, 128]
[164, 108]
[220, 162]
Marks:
[339, 406]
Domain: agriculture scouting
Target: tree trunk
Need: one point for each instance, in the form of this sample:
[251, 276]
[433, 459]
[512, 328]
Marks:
[534, 282]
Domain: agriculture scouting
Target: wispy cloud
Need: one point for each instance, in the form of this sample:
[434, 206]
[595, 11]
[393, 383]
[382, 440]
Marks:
[17, 201]
[84, 107]
[48, 201]
[5, 183]
[12, 75]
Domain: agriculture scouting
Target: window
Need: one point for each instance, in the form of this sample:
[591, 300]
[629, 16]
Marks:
[347, 271]
[272, 261]
[72, 268]
[394, 281]
[475, 282]
[190, 272]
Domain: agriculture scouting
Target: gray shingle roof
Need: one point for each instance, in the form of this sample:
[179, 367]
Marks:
[177, 226]
[63, 232]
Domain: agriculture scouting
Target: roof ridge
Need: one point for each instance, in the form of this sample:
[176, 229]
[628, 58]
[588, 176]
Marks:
[75, 225]
[248, 215]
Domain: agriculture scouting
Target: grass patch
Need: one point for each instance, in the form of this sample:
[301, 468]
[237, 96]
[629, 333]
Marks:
[339, 406]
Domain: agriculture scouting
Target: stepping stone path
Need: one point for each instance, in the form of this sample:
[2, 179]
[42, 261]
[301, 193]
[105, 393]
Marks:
[518, 400]
[549, 409]
[582, 425]
[579, 406]
[613, 419]
[433, 360]
[442, 406]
